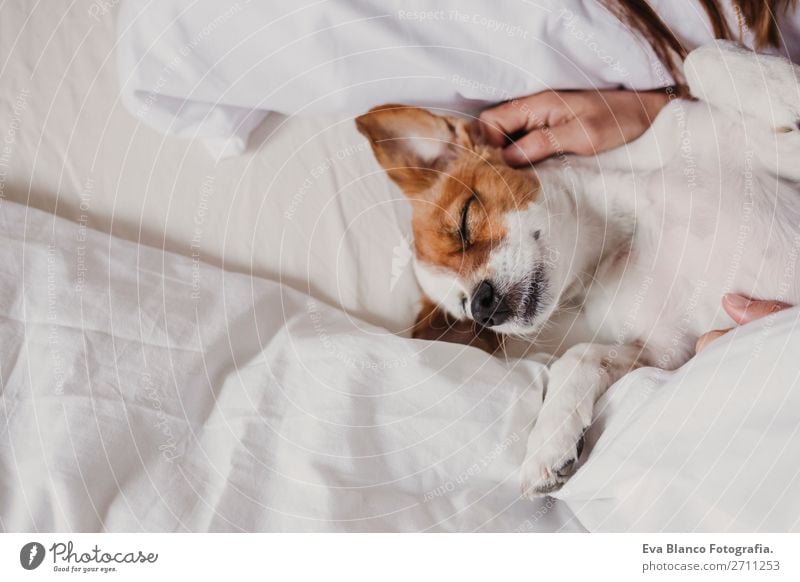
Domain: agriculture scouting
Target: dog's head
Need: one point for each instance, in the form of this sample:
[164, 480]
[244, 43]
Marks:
[485, 244]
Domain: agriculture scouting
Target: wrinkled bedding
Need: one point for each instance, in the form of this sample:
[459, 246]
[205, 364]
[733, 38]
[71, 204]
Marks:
[143, 391]
[235, 355]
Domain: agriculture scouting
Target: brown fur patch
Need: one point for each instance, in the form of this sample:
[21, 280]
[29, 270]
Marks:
[495, 189]
[390, 130]
[439, 187]
[440, 167]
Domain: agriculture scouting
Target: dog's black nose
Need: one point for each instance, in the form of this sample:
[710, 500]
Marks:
[489, 308]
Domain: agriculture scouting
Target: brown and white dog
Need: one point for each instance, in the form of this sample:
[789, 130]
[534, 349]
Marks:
[642, 241]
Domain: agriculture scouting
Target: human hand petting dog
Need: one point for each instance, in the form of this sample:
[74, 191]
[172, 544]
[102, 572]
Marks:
[575, 122]
[742, 310]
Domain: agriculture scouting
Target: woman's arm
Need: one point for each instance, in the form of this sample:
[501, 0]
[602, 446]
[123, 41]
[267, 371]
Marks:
[576, 122]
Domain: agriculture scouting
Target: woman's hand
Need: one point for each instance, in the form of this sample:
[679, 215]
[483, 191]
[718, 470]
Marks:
[742, 310]
[575, 122]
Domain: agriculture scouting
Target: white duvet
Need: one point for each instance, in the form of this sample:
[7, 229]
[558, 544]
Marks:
[143, 390]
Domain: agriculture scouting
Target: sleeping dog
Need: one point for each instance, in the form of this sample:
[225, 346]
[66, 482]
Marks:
[643, 241]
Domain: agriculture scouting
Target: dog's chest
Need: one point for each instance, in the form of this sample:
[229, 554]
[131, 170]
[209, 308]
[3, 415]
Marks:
[697, 236]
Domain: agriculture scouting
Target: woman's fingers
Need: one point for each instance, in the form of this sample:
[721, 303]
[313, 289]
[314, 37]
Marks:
[507, 120]
[587, 121]
[501, 122]
[707, 338]
[570, 138]
[743, 310]
[536, 145]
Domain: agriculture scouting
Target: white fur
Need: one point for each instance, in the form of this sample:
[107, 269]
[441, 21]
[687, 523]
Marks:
[449, 292]
[711, 194]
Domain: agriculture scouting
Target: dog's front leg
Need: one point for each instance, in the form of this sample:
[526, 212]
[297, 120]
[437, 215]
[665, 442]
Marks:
[577, 380]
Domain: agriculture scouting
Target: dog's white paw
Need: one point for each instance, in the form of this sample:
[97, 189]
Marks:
[551, 456]
[742, 81]
[576, 380]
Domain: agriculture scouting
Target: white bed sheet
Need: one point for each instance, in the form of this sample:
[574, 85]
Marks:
[306, 204]
[143, 391]
[712, 447]
[306, 207]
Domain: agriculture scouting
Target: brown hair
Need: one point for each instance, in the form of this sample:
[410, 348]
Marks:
[757, 15]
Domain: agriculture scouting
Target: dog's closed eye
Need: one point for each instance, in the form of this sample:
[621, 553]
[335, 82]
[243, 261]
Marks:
[463, 230]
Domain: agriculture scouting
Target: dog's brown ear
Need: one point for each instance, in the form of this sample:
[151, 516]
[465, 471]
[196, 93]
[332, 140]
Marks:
[434, 324]
[413, 145]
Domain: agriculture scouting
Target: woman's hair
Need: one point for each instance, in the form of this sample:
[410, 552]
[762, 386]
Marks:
[757, 15]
